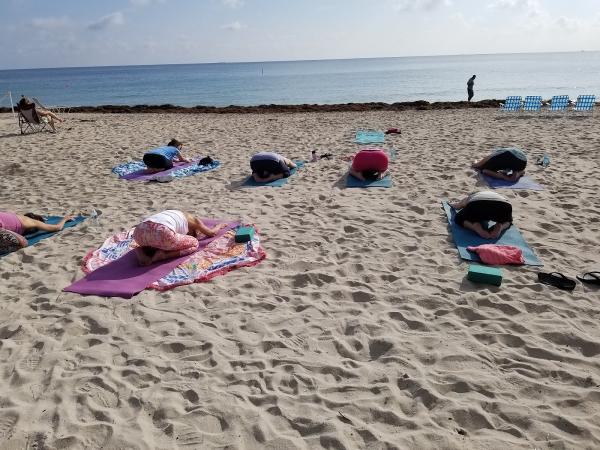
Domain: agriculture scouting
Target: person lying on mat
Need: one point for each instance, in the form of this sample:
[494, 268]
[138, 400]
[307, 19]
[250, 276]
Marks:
[19, 225]
[169, 234]
[502, 162]
[162, 158]
[269, 166]
[476, 210]
[370, 164]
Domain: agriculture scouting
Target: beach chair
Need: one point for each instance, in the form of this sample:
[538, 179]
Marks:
[532, 103]
[512, 104]
[55, 109]
[30, 122]
[585, 103]
[559, 103]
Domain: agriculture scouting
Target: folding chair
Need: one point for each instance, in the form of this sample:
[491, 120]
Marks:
[29, 121]
[559, 103]
[512, 104]
[532, 103]
[585, 103]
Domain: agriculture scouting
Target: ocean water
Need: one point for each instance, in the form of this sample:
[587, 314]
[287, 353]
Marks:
[436, 78]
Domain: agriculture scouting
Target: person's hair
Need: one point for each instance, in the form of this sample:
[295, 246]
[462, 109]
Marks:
[174, 143]
[35, 217]
[371, 174]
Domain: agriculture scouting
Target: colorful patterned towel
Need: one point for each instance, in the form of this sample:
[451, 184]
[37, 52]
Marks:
[136, 170]
[217, 258]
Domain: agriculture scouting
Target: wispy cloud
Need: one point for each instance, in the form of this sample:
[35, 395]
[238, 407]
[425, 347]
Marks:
[146, 2]
[419, 5]
[116, 18]
[234, 26]
[233, 3]
[49, 23]
[531, 7]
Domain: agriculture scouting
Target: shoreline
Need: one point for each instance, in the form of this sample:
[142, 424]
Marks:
[421, 105]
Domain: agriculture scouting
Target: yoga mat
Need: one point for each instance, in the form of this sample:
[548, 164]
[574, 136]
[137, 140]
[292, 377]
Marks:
[37, 236]
[464, 238]
[178, 171]
[250, 182]
[353, 182]
[369, 137]
[523, 183]
[125, 277]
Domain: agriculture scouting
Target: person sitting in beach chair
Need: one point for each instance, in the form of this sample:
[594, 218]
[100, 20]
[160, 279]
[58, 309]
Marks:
[504, 163]
[162, 158]
[269, 166]
[169, 234]
[370, 164]
[14, 227]
[34, 117]
[479, 208]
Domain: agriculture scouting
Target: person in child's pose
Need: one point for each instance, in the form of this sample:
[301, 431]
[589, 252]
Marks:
[502, 161]
[481, 207]
[162, 158]
[169, 234]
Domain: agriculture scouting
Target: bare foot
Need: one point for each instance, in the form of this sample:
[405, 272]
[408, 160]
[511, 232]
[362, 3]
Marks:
[142, 258]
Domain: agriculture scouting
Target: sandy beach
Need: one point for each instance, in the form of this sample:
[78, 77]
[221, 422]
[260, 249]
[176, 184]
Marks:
[359, 330]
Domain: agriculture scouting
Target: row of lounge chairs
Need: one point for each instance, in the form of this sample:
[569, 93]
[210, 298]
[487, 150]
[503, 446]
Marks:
[558, 104]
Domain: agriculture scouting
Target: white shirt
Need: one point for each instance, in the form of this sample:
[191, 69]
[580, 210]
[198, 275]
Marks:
[172, 219]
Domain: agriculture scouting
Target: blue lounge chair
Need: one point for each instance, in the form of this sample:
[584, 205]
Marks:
[585, 103]
[512, 104]
[532, 103]
[559, 103]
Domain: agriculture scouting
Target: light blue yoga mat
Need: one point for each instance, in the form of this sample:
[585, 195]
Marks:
[464, 238]
[523, 183]
[369, 137]
[250, 182]
[34, 238]
[353, 182]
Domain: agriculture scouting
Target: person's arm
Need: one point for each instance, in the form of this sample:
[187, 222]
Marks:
[181, 158]
[459, 204]
[356, 174]
[502, 176]
[290, 163]
[198, 227]
[382, 175]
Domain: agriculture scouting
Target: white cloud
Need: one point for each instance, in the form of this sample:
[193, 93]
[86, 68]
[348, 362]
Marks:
[116, 18]
[234, 26]
[233, 3]
[146, 2]
[422, 5]
[569, 24]
[533, 8]
[49, 23]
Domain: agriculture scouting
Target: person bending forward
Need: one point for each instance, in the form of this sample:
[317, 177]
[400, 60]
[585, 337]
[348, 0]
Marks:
[481, 207]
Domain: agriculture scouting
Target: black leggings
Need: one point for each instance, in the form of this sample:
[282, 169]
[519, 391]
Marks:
[504, 161]
[483, 211]
[265, 167]
[154, 161]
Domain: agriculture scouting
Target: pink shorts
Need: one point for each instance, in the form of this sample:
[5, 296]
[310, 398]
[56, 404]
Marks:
[370, 159]
[156, 235]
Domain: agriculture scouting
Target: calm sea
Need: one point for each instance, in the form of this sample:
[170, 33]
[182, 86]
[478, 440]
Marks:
[330, 81]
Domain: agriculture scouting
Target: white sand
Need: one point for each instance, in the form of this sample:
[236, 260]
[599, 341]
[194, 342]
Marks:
[358, 331]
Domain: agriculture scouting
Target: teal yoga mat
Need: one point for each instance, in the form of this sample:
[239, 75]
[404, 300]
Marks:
[369, 137]
[353, 182]
[249, 182]
[464, 238]
[37, 236]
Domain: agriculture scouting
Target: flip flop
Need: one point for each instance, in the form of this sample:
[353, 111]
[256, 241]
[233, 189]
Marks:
[590, 277]
[558, 280]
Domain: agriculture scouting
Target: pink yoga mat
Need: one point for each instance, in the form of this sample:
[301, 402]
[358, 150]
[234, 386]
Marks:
[125, 277]
[142, 175]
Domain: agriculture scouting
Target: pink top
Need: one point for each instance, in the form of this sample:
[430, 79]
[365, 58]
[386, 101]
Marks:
[10, 221]
[370, 159]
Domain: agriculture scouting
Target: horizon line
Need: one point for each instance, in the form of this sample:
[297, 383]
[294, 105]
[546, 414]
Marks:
[300, 60]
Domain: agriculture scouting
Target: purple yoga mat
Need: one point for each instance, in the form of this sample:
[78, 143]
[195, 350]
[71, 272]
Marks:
[125, 277]
[141, 175]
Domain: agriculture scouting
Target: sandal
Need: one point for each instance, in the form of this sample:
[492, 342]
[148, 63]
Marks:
[558, 280]
[590, 277]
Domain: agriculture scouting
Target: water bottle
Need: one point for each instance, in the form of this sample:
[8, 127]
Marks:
[546, 160]
[94, 218]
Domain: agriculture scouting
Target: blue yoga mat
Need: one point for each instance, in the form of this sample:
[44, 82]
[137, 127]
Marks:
[523, 183]
[464, 238]
[369, 137]
[37, 236]
[250, 182]
[353, 182]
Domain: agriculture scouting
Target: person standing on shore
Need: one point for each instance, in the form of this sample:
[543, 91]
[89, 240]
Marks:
[470, 85]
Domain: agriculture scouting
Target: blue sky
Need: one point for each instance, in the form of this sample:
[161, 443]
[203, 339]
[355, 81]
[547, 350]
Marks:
[59, 33]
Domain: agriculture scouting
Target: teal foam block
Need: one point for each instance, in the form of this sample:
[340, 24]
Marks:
[244, 234]
[485, 274]
[353, 182]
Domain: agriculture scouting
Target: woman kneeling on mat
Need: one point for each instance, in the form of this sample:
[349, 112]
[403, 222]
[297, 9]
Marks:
[370, 164]
[479, 208]
[269, 166]
[501, 162]
[169, 234]
[162, 158]
[15, 226]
